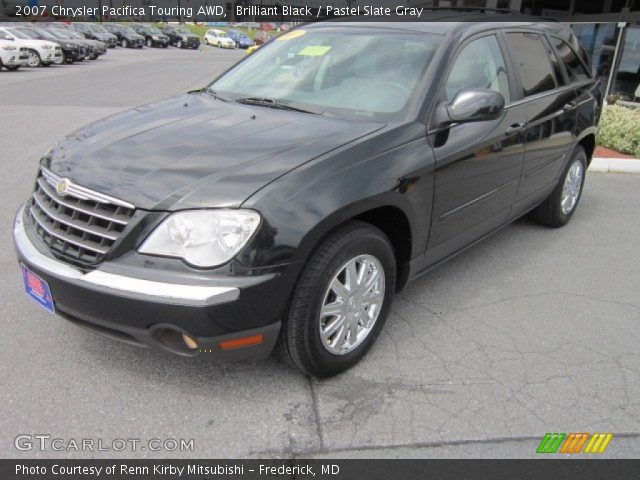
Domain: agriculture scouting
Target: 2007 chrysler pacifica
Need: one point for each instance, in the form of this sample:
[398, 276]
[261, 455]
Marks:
[287, 202]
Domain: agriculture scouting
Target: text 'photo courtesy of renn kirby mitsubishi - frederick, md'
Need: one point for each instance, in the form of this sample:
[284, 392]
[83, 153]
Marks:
[334, 239]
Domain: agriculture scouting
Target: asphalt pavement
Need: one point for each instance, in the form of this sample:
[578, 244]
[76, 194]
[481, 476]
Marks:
[534, 330]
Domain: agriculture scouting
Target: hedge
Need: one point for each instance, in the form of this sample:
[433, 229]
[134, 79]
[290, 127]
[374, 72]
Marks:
[620, 129]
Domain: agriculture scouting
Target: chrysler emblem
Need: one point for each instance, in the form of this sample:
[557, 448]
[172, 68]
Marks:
[61, 187]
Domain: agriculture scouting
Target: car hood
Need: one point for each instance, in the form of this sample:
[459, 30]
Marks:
[31, 43]
[193, 151]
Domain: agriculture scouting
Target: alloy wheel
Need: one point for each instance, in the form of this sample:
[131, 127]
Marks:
[572, 186]
[351, 304]
[34, 58]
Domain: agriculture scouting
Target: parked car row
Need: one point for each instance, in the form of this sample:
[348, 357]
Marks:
[228, 39]
[45, 43]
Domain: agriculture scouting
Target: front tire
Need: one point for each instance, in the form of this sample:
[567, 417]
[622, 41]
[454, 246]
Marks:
[179, 44]
[560, 206]
[11, 68]
[34, 59]
[124, 43]
[340, 302]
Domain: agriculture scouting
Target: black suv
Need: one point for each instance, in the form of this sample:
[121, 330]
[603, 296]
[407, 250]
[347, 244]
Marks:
[95, 32]
[181, 37]
[126, 36]
[252, 213]
[72, 50]
[152, 36]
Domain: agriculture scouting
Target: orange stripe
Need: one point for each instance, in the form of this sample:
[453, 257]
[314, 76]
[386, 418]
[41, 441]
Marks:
[566, 443]
[581, 443]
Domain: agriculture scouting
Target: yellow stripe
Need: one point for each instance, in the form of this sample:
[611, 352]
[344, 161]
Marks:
[596, 445]
[605, 443]
[590, 444]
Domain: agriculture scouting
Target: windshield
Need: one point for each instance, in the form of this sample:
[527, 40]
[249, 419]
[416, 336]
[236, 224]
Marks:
[28, 33]
[98, 28]
[19, 34]
[45, 34]
[152, 30]
[182, 30]
[334, 70]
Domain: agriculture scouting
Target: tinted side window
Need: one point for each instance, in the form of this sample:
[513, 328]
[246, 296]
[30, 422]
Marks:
[557, 69]
[532, 61]
[572, 63]
[479, 65]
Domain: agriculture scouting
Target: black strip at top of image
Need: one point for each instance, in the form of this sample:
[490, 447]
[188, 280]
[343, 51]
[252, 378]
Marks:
[275, 11]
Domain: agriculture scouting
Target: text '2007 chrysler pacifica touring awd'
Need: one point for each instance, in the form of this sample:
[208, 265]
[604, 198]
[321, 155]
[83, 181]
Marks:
[285, 204]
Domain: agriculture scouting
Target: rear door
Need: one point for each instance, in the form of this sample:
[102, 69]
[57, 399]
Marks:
[478, 164]
[550, 105]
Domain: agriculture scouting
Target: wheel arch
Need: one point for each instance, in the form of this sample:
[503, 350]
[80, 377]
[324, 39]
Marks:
[588, 142]
[388, 212]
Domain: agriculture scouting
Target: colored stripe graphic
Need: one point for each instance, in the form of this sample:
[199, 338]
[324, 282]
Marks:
[550, 442]
[598, 443]
[574, 443]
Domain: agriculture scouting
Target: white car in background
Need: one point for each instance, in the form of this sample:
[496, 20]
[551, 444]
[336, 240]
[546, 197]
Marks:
[41, 52]
[219, 38]
[11, 56]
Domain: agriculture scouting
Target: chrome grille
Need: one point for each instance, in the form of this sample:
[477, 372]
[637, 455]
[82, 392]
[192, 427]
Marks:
[78, 224]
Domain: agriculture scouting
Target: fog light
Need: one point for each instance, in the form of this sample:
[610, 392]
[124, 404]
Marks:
[189, 341]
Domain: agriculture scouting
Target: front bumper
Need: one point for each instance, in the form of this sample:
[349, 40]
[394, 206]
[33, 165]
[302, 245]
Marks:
[160, 42]
[74, 54]
[152, 313]
[17, 59]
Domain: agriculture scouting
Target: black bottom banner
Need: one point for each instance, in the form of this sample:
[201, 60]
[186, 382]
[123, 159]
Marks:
[583, 469]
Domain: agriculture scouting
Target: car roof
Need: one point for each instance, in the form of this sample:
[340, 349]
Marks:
[466, 23]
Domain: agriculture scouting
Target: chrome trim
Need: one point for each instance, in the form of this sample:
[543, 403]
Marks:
[103, 216]
[67, 238]
[137, 288]
[72, 223]
[80, 192]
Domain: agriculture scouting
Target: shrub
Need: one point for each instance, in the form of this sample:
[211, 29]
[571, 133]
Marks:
[620, 129]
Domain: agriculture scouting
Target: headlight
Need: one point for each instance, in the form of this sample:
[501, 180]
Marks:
[154, 37]
[202, 238]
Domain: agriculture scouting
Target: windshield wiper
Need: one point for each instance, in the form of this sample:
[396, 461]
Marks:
[272, 103]
[213, 93]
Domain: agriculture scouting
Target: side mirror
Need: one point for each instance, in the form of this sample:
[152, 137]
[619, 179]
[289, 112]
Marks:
[470, 105]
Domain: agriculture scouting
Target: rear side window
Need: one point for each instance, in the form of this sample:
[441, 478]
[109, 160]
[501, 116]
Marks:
[479, 65]
[531, 59]
[575, 68]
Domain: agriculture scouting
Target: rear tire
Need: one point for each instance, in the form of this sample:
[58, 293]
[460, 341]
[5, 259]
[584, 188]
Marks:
[305, 341]
[561, 204]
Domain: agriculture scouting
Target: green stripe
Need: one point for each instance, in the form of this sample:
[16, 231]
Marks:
[551, 442]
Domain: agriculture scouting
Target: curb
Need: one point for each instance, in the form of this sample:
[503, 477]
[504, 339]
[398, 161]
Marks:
[618, 165]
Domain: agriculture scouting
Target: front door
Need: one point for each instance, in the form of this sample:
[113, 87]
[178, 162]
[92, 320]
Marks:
[478, 164]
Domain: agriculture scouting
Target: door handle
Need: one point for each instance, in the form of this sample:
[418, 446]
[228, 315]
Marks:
[569, 106]
[514, 128]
